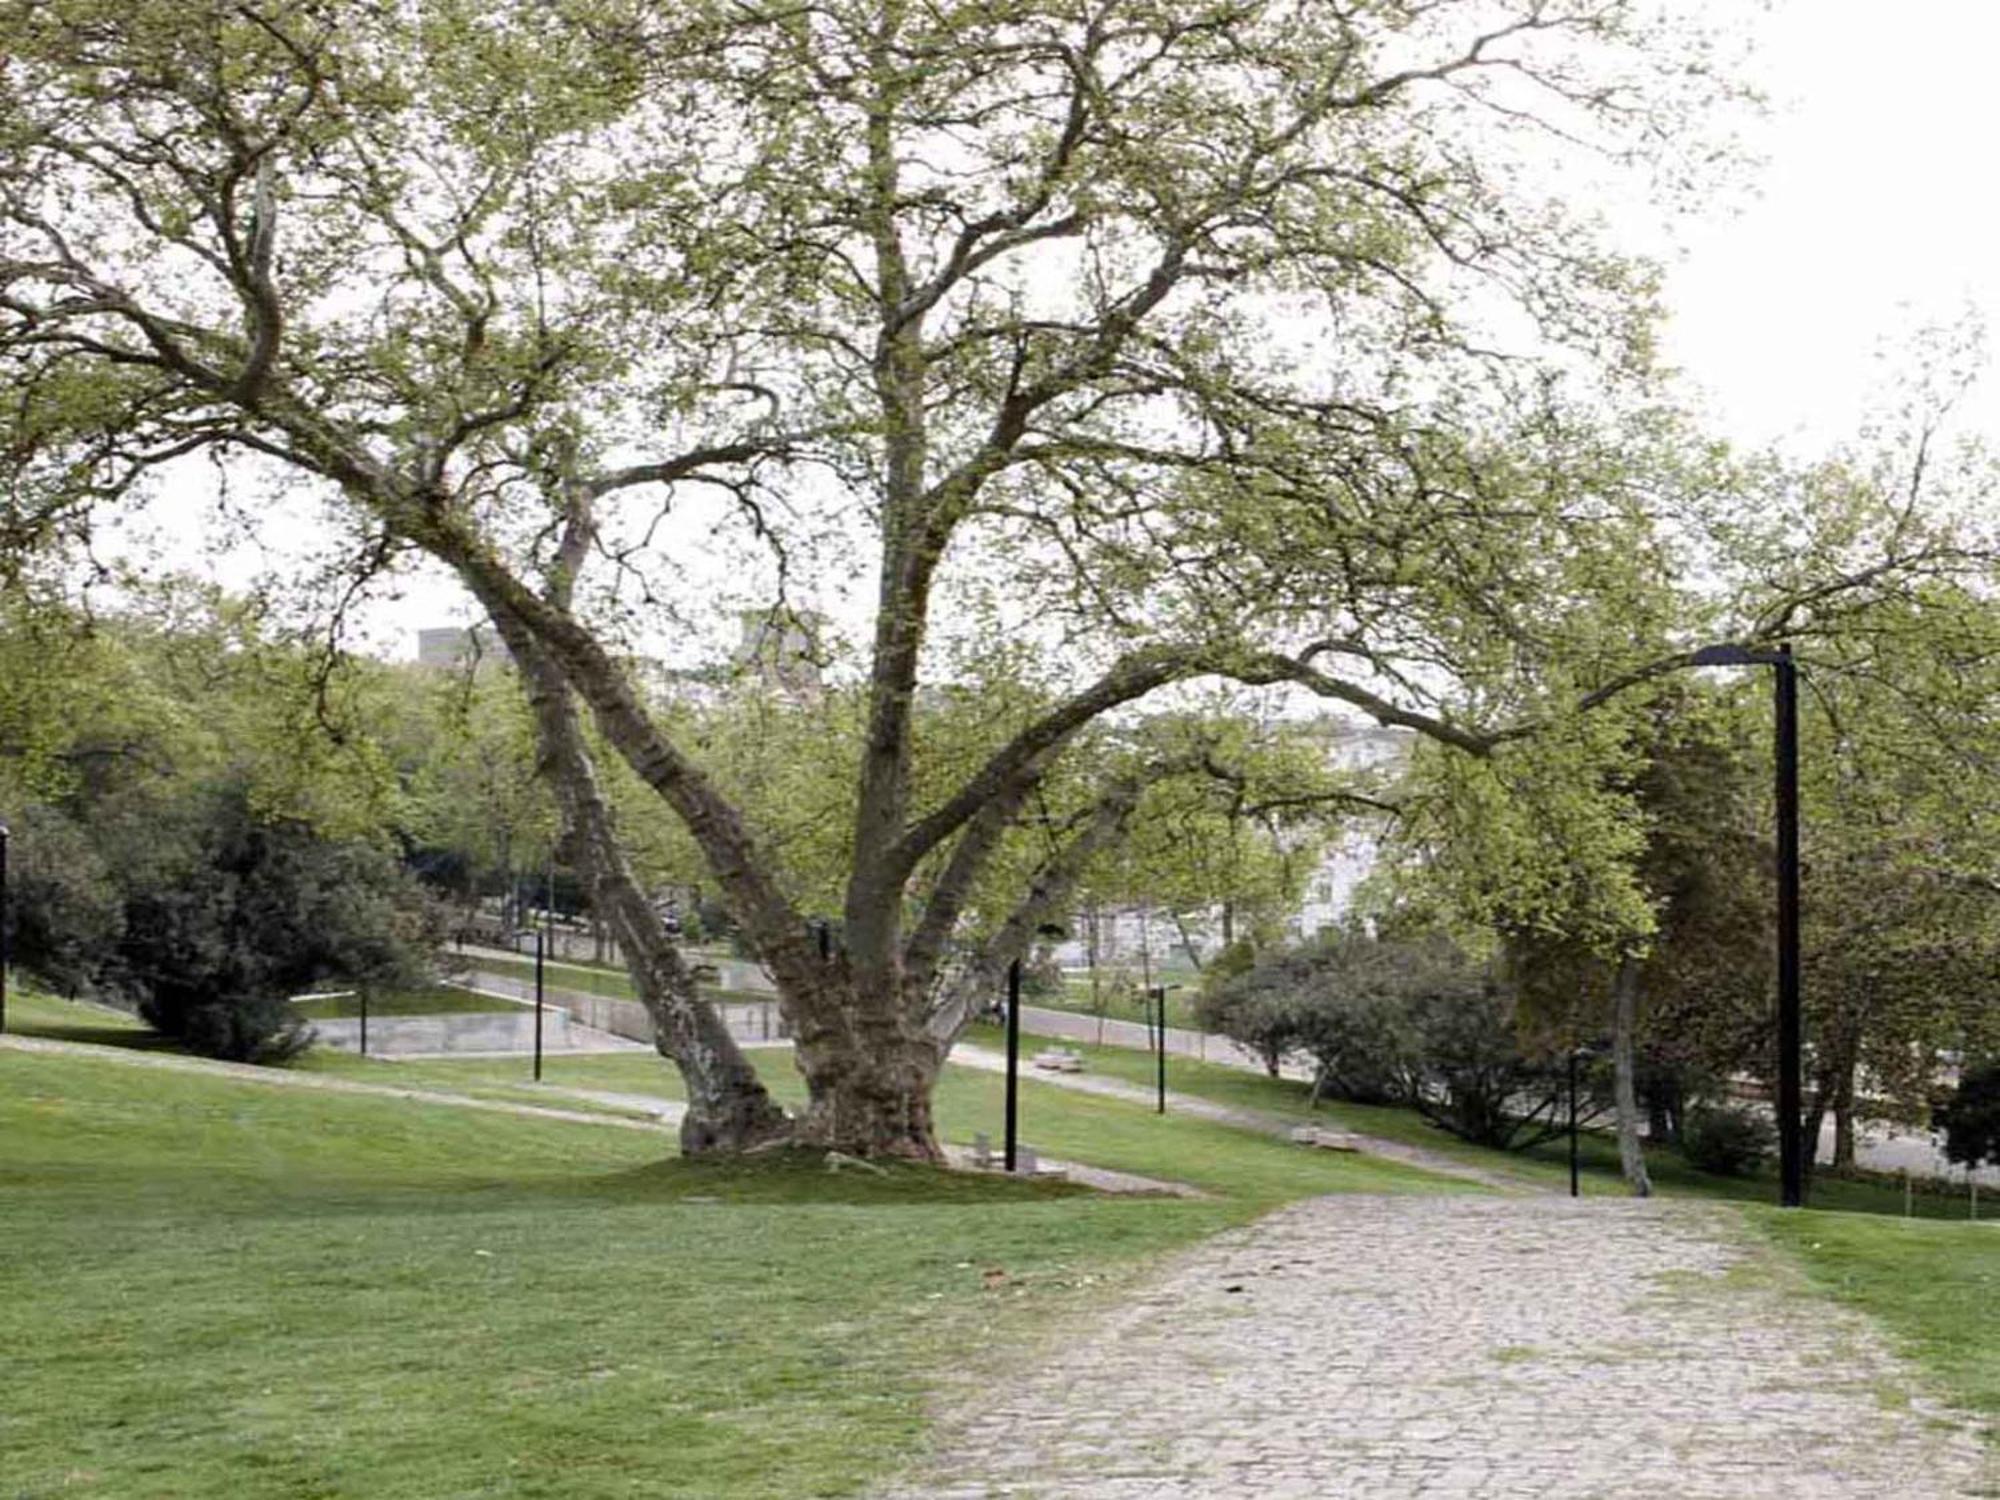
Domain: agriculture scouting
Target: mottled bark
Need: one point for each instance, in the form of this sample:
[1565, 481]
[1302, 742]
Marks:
[1048, 898]
[729, 1110]
[869, 1070]
[1625, 1095]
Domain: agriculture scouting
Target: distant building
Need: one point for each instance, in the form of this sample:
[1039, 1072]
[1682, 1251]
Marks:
[782, 648]
[1351, 859]
[452, 648]
[1154, 939]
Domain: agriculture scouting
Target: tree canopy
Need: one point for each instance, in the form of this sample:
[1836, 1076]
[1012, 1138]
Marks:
[1231, 340]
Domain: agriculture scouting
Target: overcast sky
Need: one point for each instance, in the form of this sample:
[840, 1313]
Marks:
[1873, 213]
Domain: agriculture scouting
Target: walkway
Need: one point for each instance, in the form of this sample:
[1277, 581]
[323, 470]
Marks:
[1387, 1348]
[1243, 1119]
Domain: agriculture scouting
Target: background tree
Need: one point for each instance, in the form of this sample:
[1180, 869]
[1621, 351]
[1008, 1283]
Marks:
[187, 845]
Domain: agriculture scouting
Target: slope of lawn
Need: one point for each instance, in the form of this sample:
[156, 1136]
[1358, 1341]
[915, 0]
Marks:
[1057, 1122]
[222, 1287]
[431, 1000]
[1934, 1286]
[591, 979]
[33, 1013]
[1544, 1166]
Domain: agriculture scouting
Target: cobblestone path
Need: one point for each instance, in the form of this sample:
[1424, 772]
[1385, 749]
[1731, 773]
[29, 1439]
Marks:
[1410, 1347]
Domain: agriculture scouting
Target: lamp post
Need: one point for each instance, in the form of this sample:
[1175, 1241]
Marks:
[6, 952]
[1791, 1145]
[1013, 1059]
[1573, 1055]
[539, 947]
[540, 950]
[1158, 994]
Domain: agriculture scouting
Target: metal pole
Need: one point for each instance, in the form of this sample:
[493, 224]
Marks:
[1013, 1058]
[364, 1020]
[1160, 1053]
[6, 952]
[538, 1007]
[1572, 1123]
[1791, 1145]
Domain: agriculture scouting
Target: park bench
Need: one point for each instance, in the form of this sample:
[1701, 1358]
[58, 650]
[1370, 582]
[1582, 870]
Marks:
[1026, 1162]
[1325, 1140]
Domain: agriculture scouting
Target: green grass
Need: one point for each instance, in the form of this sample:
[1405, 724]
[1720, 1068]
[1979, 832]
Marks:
[220, 1287]
[1934, 1286]
[32, 1013]
[1544, 1166]
[1237, 1164]
[591, 979]
[1120, 1004]
[434, 1000]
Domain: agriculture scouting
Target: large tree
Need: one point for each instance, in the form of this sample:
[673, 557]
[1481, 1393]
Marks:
[1234, 335]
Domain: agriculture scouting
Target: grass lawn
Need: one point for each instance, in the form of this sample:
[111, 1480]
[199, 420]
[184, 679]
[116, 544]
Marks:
[1544, 1166]
[592, 979]
[32, 1013]
[1120, 1004]
[218, 1287]
[434, 1000]
[1057, 1122]
[1934, 1286]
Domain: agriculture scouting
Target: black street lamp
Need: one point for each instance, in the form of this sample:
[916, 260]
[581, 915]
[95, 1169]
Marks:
[1158, 994]
[1791, 1144]
[1575, 1053]
[540, 948]
[1013, 1060]
[6, 953]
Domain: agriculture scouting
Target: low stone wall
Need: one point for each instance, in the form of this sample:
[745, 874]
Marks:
[509, 1030]
[750, 1022]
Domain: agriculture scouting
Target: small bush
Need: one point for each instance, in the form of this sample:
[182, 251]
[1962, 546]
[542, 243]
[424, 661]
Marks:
[1970, 1119]
[1472, 1077]
[242, 1028]
[1362, 1047]
[1257, 1013]
[1727, 1142]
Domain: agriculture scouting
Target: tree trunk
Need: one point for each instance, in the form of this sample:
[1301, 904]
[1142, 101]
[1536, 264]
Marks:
[729, 1109]
[1624, 1028]
[1843, 1116]
[1188, 943]
[869, 1073]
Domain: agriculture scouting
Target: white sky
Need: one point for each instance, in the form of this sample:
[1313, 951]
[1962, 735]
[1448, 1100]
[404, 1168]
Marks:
[1875, 212]
[1871, 215]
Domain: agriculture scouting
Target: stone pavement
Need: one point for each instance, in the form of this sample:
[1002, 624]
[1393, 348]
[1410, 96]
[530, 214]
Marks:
[1388, 1348]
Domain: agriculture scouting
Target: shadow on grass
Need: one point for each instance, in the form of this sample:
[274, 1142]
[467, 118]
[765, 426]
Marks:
[131, 1038]
[797, 1180]
[806, 1177]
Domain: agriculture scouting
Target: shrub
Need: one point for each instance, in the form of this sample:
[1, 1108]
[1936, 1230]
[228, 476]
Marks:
[1362, 1047]
[1409, 1019]
[1727, 1142]
[1257, 1009]
[227, 914]
[1471, 1076]
[64, 910]
[1970, 1119]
